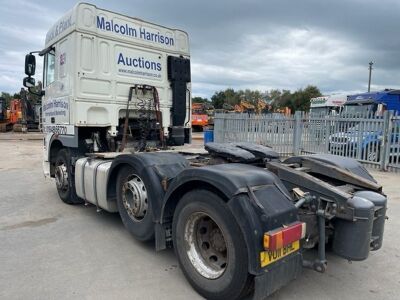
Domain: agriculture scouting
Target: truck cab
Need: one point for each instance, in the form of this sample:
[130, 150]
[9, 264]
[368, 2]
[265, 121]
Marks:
[327, 105]
[100, 69]
[374, 103]
[363, 139]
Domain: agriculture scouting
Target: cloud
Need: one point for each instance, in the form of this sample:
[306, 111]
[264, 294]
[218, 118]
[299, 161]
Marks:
[285, 58]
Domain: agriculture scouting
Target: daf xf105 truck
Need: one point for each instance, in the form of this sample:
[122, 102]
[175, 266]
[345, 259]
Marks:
[115, 99]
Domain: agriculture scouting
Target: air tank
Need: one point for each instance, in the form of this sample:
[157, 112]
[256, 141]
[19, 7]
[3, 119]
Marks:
[380, 202]
[352, 238]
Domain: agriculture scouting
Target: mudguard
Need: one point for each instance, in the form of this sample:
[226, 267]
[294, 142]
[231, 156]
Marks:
[257, 198]
[70, 141]
[346, 163]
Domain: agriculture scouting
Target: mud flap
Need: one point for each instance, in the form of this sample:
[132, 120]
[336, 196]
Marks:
[279, 275]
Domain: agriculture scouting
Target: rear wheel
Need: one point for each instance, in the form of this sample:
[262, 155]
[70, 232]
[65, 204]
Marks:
[65, 181]
[210, 247]
[134, 203]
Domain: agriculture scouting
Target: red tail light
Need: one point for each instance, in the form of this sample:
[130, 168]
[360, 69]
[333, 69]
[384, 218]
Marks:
[284, 236]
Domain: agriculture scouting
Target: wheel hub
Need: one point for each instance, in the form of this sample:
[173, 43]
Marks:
[61, 175]
[134, 198]
[206, 245]
[217, 240]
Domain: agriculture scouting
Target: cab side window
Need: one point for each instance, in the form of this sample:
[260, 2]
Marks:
[49, 68]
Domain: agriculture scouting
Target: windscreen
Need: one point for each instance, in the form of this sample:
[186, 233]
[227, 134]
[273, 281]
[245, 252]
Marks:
[319, 111]
[359, 109]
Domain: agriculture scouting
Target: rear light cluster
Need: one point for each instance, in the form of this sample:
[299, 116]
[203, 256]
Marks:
[284, 236]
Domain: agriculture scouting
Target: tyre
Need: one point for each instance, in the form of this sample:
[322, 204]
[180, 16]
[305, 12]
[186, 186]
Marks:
[134, 203]
[64, 175]
[210, 247]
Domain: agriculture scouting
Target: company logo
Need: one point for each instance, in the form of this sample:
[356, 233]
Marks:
[139, 66]
[318, 100]
[138, 62]
[56, 107]
[135, 32]
[59, 28]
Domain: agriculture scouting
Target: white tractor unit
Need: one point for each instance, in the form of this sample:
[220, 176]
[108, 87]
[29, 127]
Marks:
[327, 105]
[117, 101]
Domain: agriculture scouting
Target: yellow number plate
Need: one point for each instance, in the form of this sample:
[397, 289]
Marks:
[268, 257]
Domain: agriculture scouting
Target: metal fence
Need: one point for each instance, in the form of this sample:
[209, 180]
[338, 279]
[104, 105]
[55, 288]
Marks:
[373, 140]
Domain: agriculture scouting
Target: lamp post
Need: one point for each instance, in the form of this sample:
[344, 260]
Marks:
[370, 72]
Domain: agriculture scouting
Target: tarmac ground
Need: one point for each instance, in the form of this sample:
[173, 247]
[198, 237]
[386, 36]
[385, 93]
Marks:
[50, 250]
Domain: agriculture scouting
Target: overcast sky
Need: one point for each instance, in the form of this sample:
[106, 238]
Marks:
[256, 44]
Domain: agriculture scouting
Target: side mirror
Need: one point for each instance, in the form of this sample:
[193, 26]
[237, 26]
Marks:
[30, 64]
[29, 82]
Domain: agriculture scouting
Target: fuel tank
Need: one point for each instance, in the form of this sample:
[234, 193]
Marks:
[91, 176]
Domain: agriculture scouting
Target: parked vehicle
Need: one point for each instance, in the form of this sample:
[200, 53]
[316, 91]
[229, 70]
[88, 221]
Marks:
[199, 116]
[364, 139]
[11, 116]
[116, 93]
[374, 103]
[327, 105]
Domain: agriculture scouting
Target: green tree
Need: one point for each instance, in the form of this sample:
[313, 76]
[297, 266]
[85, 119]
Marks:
[301, 98]
[7, 97]
[228, 96]
[231, 97]
[274, 94]
[250, 96]
[311, 91]
[199, 100]
[282, 99]
[218, 99]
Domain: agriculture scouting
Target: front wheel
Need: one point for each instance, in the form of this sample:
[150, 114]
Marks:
[210, 247]
[65, 181]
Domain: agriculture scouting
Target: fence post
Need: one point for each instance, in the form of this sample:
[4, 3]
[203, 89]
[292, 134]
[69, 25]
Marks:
[359, 150]
[216, 127]
[386, 140]
[328, 123]
[297, 133]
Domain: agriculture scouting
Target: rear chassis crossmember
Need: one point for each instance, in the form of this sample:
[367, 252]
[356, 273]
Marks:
[330, 192]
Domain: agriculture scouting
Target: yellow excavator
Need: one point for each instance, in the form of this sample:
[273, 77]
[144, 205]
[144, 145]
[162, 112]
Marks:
[245, 106]
[260, 107]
